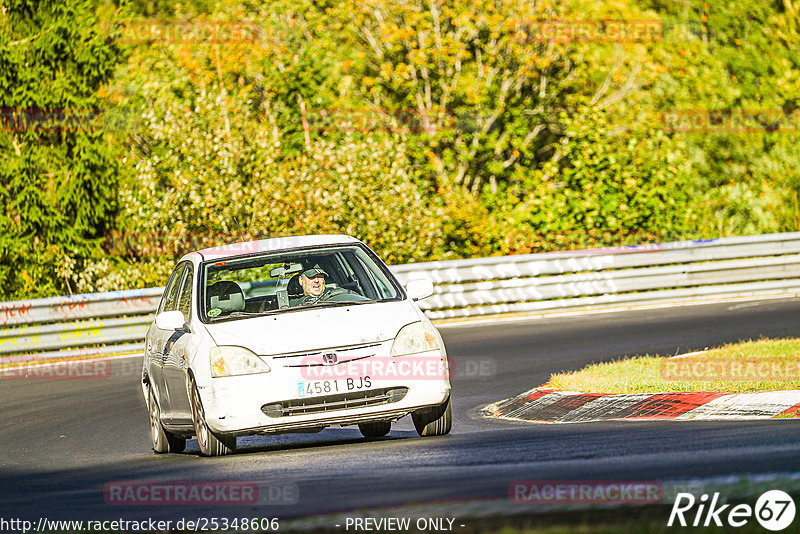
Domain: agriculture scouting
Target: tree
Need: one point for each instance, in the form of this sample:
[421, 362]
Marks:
[498, 98]
[734, 69]
[58, 173]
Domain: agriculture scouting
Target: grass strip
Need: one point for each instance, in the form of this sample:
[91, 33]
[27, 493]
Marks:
[751, 366]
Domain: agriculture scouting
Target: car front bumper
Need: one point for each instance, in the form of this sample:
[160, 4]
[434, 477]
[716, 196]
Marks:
[292, 398]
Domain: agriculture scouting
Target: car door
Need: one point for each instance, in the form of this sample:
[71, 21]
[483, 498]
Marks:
[176, 356]
[157, 340]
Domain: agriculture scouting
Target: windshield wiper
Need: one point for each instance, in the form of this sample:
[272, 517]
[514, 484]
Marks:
[240, 313]
[333, 303]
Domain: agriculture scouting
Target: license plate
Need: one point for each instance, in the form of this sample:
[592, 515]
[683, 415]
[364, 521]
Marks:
[332, 387]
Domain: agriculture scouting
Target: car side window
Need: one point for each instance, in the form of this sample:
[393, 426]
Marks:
[169, 301]
[185, 299]
[368, 281]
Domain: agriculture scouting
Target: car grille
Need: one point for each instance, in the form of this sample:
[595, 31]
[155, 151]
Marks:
[341, 401]
[345, 354]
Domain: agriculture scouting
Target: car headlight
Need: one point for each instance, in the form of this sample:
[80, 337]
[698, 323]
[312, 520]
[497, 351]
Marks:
[232, 361]
[414, 338]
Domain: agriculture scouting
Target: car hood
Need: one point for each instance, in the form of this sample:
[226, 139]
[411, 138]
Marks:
[316, 328]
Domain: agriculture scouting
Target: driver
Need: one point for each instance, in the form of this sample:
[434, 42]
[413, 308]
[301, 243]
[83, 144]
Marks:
[313, 283]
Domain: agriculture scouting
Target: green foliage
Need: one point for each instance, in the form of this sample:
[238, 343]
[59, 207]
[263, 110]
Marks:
[58, 174]
[431, 130]
[206, 154]
[610, 185]
[546, 137]
[732, 56]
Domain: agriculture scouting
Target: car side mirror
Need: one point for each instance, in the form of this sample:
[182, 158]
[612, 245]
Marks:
[419, 289]
[170, 320]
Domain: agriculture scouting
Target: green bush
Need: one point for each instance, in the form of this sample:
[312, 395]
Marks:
[432, 131]
[58, 170]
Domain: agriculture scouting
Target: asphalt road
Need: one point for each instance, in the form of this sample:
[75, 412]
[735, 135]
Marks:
[63, 441]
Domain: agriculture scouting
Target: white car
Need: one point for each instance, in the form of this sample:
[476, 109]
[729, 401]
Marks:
[290, 334]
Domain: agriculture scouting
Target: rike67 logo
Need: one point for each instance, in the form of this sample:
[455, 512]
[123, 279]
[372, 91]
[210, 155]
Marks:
[774, 510]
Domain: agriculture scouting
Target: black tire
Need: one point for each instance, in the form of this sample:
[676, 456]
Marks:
[376, 429]
[211, 444]
[436, 421]
[163, 440]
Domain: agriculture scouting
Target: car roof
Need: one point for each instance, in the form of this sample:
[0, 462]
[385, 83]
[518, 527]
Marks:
[271, 245]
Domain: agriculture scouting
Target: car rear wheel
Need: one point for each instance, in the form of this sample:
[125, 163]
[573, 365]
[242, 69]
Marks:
[435, 421]
[375, 429]
[211, 444]
[163, 440]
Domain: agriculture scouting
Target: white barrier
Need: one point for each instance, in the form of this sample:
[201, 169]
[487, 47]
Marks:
[104, 323]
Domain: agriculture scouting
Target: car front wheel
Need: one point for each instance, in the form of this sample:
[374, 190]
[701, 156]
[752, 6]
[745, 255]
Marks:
[435, 421]
[163, 440]
[211, 444]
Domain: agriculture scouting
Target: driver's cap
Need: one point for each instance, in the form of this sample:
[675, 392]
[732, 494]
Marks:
[314, 271]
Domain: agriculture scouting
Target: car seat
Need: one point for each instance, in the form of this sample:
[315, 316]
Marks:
[293, 288]
[225, 295]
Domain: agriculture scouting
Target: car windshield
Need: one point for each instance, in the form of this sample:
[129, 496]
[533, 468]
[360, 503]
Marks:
[289, 281]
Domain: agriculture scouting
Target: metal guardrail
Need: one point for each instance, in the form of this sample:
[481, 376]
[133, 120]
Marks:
[76, 325]
[597, 278]
[116, 322]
